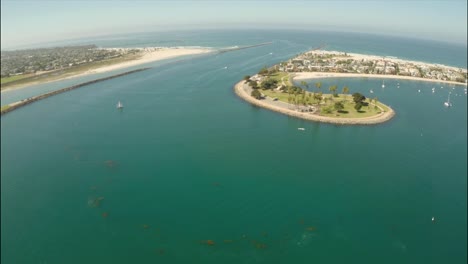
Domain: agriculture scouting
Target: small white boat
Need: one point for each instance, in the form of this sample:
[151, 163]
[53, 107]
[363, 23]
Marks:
[301, 128]
[225, 67]
[371, 91]
[433, 90]
[119, 105]
[433, 219]
[419, 91]
[383, 84]
[271, 53]
[448, 103]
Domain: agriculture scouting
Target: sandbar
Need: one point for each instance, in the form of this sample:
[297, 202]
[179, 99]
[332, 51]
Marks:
[319, 75]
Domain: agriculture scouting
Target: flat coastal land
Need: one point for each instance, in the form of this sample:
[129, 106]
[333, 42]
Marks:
[141, 56]
[320, 75]
[273, 88]
[243, 90]
[321, 64]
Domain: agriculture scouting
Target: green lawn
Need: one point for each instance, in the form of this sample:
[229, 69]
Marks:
[326, 105]
[347, 112]
[280, 75]
[272, 93]
[5, 80]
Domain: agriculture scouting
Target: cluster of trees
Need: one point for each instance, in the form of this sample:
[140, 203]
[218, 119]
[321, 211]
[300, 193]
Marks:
[359, 101]
[269, 84]
[299, 96]
[256, 94]
[267, 71]
[339, 106]
[253, 84]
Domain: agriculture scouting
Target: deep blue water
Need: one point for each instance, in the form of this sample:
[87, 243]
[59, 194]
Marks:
[193, 162]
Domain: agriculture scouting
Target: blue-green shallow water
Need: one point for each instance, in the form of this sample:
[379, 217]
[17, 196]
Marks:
[196, 163]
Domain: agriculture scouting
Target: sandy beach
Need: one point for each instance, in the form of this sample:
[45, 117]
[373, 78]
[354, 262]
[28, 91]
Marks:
[151, 55]
[319, 75]
[146, 55]
[358, 56]
[389, 59]
[243, 90]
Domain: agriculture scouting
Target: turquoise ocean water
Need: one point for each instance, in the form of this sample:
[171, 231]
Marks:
[187, 161]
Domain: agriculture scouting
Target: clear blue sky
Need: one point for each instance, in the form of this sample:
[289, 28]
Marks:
[25, 22]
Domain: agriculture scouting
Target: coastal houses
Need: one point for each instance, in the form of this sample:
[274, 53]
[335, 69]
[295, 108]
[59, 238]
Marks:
[333, 61]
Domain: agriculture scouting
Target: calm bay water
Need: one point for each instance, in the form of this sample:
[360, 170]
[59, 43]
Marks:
[195, 163]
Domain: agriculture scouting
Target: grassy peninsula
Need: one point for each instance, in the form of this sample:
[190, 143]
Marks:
[276, 91]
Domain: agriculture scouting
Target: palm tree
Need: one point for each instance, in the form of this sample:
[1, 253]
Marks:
[318, 97]
[318, 85]
[345, 91]
[304, 83]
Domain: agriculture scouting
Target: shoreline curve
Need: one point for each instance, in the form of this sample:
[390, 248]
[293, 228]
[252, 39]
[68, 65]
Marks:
[147, 55]
[240, 90]
[320, 75]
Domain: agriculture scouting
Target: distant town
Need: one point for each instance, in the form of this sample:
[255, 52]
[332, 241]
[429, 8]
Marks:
[37, 61]
[341, 62]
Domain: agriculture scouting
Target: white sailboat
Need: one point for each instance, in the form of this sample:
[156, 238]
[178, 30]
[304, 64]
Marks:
[448, 103]
[383, 84]
[119, 105]
[371, 91]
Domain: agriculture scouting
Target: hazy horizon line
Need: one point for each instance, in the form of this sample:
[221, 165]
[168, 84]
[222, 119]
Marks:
[180, 28]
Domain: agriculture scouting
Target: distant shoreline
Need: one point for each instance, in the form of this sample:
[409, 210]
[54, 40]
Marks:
[148, 55]
[242, 90]
[319, 75]
[321, 63]
[151, 55]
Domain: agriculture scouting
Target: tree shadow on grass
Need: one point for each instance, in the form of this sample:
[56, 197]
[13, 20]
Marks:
[343, 112]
